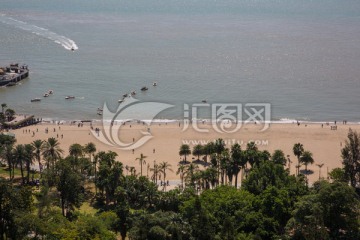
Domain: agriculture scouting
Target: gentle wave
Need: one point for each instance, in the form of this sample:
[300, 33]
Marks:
[159, 121]
[67, 43]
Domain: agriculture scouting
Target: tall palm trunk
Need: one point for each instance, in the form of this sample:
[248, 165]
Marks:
[28, 172]
[22, 172]
[236, 178]
[10, 168]
[141, 163]
[39, 161]
[164, 180]
[13, 171]
[63, 207]
[95, 172]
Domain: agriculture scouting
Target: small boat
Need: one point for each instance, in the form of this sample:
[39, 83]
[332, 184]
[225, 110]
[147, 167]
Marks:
[125, 95]
[204, 101]
[154, 84]
[50, 92]
[46, 95]
[133, 93]
[72, 49]
[100, 109]
[35, 100]
[69, 97]
[120, 100]
[144, 89]
[99, 113]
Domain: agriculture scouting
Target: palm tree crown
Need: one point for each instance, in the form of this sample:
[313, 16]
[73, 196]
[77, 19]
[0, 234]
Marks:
[141, 161]
[51, 150]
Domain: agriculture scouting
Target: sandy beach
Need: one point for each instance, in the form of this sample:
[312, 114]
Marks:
[323, 142]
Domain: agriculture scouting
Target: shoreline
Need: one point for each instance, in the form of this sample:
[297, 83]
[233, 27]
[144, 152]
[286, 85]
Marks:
[200, 120]
[324, 143]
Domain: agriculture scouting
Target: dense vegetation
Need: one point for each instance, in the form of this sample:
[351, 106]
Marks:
[208, 204]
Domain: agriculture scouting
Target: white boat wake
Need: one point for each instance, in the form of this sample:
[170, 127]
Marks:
[67, 43]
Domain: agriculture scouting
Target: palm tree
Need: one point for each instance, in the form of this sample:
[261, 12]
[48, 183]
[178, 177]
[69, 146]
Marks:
[208, 149]
[19, 155]
[210, 177]
[198, 150]
[225, 166]
[320, 166]
[90, 149]
[181, 170]
[147, 170]
[51, 151]
[278, 157]
[190, 171]
[155, 170]
[141, 161]
[219, 146]
[298, 150]
[184, 151]
[37, 144]
[298, 166]
[306, 158]
[164, 166]
[76, 150]
[252, 154]
[9, 114]
[29, 159]
[7, 154]
[236, 160]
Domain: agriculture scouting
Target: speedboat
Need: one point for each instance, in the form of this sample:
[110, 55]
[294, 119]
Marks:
[144, 89]
[35, 100]
[154, 84]
[46, 95]
[69, 97]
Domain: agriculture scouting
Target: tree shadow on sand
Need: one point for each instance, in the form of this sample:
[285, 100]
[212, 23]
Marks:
[308, 172]
[201, 162]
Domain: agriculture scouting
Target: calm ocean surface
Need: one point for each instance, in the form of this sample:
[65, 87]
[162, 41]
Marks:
[301, 56]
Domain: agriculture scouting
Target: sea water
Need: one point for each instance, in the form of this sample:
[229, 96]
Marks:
[300, 56]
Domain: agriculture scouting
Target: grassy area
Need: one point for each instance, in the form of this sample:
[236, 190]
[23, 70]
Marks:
[4, 172]
[87, 208]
